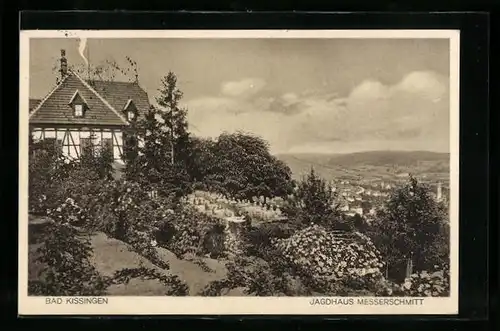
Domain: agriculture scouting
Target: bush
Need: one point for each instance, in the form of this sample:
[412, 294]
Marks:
[258, 239]
[213, 241]
[428, 284]
[120, 209]
[258, 277]
[190, 230]
[47, 170]
[331, 262]
[164, 233]
[313, 202]
[68, 271]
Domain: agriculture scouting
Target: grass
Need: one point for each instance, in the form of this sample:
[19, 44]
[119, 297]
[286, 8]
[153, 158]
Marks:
[110, 255]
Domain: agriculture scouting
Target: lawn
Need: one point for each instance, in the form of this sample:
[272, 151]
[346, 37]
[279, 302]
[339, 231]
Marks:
[111, 255]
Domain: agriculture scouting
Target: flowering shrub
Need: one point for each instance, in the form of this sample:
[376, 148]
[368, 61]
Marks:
[327, 259]
[70, 212]
[428, 284]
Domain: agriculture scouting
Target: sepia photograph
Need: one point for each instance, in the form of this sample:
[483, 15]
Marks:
[239, 172]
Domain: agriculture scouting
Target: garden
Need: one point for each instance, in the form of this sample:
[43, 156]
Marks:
[225, 219]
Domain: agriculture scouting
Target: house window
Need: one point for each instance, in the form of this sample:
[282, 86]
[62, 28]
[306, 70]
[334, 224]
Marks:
[131, 115]
[78, 110]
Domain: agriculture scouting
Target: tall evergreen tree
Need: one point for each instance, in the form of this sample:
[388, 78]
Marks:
[174, 124]
[158, 153]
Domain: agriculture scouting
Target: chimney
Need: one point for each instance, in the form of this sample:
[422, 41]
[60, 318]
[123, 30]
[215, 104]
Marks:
[64, 64]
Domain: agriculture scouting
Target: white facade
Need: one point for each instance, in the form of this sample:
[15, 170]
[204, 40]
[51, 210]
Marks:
[72, 140]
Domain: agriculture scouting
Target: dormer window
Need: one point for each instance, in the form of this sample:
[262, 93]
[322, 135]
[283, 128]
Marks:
[79, 104]
[131, 110]
[130, 115]
[78, 110]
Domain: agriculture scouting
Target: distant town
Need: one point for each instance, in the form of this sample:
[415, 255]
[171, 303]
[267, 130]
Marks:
[363, 197]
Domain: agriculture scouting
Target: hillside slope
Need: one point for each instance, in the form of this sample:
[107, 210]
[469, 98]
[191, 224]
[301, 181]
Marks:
[373, 163]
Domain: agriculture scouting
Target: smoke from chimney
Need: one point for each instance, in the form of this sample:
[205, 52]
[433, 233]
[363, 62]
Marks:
[81, 50]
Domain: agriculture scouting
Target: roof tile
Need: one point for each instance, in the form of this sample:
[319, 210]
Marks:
[56, 109]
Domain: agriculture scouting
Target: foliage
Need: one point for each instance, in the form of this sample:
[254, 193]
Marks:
[99, 160]
[327, 258]
[47, 168]
[428, 284]
[257, 277]
[412, 226]
[174, 286]
[259, 239]
[315, 202]
[121, 209]
[240, 165]
[190, 232]
[66, 256]
[157, 145]
[68, 268]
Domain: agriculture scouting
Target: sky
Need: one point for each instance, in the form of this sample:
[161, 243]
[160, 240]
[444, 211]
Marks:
[301, 95]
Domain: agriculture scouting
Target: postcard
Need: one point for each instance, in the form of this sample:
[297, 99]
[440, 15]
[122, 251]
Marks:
[237, 172]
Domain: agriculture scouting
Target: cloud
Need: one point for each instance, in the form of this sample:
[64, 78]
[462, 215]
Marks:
[412, 114]
[243, 88]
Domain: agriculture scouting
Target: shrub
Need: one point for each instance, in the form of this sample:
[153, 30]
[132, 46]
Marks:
[428, 284]
[191, 228]
[258, 239]
[331, 262]
[213, 241]
[47, 170]
[258, 277]
[164, 233]
[68, 271]
[174, 286]
[313, 202]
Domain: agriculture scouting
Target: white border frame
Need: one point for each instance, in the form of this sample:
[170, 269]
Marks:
[234, 305]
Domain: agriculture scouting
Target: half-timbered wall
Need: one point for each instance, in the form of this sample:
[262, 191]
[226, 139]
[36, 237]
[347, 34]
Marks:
[73, 140]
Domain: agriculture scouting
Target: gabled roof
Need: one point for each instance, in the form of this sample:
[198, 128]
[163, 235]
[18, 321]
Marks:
[104, 100]
[76, 94]
[118, 94]
[33, 103]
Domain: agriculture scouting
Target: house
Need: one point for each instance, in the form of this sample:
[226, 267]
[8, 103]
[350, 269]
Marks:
[80, 112]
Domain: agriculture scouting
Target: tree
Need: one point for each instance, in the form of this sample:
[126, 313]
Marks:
[158, 152]
[150, 159]
[174, 123]
[201, 158]
[412, 230]
[314, 201]
[242, 166]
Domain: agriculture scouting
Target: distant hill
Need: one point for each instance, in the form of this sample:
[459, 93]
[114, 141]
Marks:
[372, 163]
